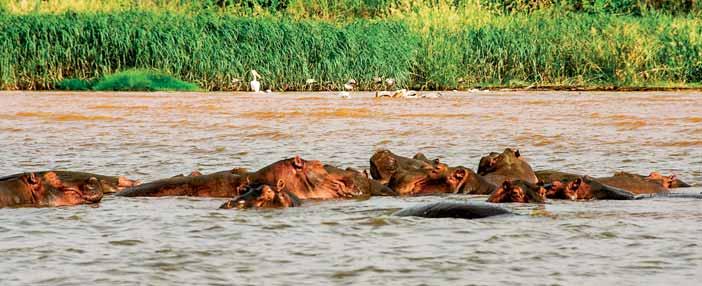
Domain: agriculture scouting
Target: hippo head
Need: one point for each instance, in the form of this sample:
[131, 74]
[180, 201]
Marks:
[384, 165]
[508, 165]
[358, 182]
[495, 161]
[518, 192]
[432, 179]
[475, 184]
[263, 196]
[563, 190]
[667, 182]
[51, 191]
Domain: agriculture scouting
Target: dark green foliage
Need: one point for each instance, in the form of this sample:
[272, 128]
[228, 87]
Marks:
[74, 84]
[142, 80]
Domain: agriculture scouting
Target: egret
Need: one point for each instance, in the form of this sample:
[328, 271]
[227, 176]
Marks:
[255, 84]
[349, 85]
[390, 82]
[383, 93]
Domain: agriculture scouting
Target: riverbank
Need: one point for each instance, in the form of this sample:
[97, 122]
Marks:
[438, 47]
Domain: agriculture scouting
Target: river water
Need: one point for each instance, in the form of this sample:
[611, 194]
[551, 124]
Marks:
[188, 241]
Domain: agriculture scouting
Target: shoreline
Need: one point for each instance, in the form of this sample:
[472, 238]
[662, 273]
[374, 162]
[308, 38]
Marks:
[472, 90]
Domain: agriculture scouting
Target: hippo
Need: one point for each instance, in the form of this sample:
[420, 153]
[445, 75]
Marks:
[109, 184]
[421, 176]
[586, 188]
[453, 210]
[668, 182]
[518, 191]
[439, 179]
[223, 184]
[635, 183]
[47, 189]
[508, 165]
[384, 164]
[548, 176]
[263, 196]
[476, 184]
[309, 179]
[361, 181]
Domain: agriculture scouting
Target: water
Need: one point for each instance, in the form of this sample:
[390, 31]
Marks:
[160, 241]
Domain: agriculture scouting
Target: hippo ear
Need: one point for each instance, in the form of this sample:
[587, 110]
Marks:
[280, 185]
[365, 172]
[297, 162]
[437, 161]
[517, 154]
[32, 179]
[577, 183]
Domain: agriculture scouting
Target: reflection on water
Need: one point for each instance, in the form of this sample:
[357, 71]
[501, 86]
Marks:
[127, 241]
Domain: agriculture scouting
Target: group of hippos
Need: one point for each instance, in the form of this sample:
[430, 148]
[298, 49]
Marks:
[505, 177]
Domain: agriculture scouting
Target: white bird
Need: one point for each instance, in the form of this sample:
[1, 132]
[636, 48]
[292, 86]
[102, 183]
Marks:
[390, 82]
[255, 84]
[383, 93]
[349, 85]
[431, 95]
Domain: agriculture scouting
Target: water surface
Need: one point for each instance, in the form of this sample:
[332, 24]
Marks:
[157, 241]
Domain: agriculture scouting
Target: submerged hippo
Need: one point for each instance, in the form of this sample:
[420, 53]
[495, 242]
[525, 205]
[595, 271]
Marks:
[109, 184]
[668, 182]
[548, 176]
[263, 196]
[47, 189]
[421, 176]
[221, 184]
[423, 182]
[635, 183]
[360, 181]
[508, 165]
[311, 180]
[586, 188]
[518, 192]
[453, 210]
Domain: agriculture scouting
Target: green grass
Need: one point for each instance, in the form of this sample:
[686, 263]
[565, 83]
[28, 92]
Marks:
[437, 46]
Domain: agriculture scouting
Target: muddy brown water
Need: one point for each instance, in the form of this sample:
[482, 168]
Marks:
[162, 241]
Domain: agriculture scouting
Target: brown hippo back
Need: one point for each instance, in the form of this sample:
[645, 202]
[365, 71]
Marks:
[506, 166]
[633, 183]
[548, 176]
[221, 184]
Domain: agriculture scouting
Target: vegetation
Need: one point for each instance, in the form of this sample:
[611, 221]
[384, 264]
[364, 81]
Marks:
[129, 80]
[437, 44]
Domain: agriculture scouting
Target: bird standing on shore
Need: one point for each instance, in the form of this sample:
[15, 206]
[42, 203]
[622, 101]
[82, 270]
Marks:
[255, 85]
[348, 86]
